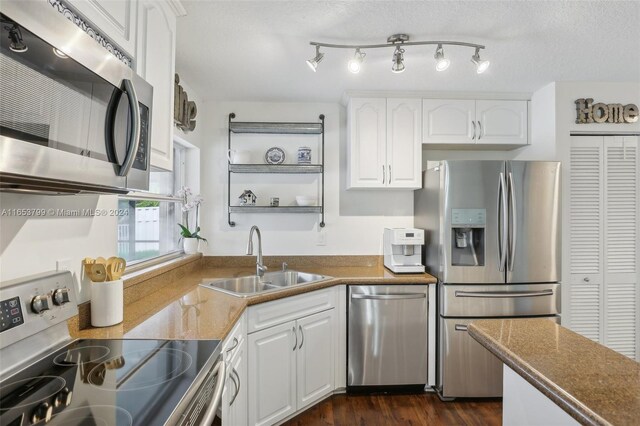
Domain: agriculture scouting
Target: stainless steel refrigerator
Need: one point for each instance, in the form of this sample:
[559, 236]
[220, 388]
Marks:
[493, 239]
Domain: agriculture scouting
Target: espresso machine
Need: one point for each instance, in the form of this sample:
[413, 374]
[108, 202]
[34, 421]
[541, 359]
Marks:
[403, 250]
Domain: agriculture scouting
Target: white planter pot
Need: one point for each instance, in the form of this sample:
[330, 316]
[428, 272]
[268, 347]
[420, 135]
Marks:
[191, 245]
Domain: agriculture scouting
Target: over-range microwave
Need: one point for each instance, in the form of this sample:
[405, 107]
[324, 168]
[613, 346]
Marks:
[73, 118]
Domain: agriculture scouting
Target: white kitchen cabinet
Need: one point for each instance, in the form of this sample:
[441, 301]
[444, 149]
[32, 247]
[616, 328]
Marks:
[156, 64]
[116, 19]
[448, 121]
[604, 246]
[404, 148]
[234, 396]
[499, 124]
[272, 374]
[315, 357]
[384, 143]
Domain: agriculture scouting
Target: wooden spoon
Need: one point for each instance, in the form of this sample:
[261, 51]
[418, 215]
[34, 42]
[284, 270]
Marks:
[98, 273]
[117, 268]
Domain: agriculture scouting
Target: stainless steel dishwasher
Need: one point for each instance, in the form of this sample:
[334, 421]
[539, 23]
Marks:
[387, 338]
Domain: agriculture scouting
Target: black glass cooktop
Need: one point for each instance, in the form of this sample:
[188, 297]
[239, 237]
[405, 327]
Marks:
[106, 382]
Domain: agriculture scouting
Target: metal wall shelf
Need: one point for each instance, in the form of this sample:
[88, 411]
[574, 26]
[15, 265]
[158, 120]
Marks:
[276, 128]
[279, 209]
[275, 168]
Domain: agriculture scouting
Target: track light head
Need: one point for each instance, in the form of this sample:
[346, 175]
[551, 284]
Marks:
[15, 35]
[442, 63]
[481, 66]
[398, 60]
[313, 63]
[355, 63]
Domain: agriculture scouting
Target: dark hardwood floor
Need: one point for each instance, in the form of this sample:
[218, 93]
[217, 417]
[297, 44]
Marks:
[423, 409]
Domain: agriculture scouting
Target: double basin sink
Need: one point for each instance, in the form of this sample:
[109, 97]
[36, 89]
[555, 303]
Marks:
[270, 282]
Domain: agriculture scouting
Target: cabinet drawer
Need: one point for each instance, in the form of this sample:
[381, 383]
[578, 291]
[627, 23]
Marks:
[235, 339]
[288, 309]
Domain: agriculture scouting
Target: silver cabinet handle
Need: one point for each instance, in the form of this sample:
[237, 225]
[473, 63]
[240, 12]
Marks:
[503, 294]
[134, 135]
[234, 345]
[302, 337]
[460, 327]
[384, 175]
[513, 218]
[474, 130]
[502, 222]
[237, 384]
[479, 128]
[586, 279]
[389, 296]
[389, 173]
[295, 334]
[217, 393]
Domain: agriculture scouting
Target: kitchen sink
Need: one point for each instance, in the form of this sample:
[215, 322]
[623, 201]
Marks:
[271, 281]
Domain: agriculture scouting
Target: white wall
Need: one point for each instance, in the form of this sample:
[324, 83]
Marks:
[33, 245]
[354, 219]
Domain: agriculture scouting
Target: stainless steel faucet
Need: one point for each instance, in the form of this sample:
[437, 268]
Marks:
[260, 268]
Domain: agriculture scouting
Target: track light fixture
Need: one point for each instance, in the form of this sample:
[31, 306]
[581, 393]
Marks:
[442, 63]
[313, 63]
[355, 63]
[398, 60]
[398, 42]
[481, 66]
[15, 35]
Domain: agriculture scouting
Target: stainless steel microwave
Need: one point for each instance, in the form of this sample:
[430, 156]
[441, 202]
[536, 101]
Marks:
[73, 118]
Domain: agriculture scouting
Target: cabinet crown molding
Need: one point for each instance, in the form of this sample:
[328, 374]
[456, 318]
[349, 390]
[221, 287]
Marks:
[505, 96]
[177, 7]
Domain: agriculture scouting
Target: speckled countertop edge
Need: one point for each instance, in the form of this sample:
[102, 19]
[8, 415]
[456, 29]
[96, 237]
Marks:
[569, 404]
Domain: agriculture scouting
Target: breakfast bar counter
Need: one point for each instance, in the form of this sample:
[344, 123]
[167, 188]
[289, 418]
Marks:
[592, 383]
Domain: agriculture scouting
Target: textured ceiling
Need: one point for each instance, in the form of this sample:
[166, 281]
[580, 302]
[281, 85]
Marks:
[256, 50]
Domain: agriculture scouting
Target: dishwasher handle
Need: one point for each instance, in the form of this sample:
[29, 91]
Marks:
[504, 294]
[392, 296]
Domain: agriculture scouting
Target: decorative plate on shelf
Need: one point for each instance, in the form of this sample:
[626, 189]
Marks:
[274, 155]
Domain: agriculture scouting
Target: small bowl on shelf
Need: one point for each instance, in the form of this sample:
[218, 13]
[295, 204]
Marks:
[306, 200]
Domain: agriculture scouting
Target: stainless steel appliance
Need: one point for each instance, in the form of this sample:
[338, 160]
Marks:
[493, 241]
[73, 118]
[387, 338]
[48, 378]
[402, 249]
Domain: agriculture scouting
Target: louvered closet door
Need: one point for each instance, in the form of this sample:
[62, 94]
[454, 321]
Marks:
[621, 244]
[586, 217]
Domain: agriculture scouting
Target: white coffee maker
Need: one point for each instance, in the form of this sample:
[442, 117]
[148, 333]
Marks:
[403, 250]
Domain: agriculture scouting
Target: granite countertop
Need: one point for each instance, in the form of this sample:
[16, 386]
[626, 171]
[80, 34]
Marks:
[592, 383]
[185, 310]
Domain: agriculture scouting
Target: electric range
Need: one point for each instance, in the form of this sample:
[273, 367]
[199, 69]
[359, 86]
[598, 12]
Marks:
[48, 378]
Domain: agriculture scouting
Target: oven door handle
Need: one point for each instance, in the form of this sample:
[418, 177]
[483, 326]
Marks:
[134, 134]
[221, 369]
[504, 294]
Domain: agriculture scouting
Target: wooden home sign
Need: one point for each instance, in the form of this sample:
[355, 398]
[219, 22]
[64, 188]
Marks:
[588, 112]
[184, 110]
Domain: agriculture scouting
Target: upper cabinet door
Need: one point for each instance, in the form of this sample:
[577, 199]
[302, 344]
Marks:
[156, 64]
[502, 122]
[404, 143]
[447, 121]
[367, 142]
[116, 19]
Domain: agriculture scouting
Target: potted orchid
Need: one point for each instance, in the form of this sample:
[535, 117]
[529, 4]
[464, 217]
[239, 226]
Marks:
[191, 239]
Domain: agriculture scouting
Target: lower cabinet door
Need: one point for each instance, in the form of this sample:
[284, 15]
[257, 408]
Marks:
[315, 353]
[238, 415]
[272, 374]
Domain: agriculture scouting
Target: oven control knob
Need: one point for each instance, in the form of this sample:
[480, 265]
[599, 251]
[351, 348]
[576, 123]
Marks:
[40, 303]
[42, 412]
[61, 296]
[63, 398]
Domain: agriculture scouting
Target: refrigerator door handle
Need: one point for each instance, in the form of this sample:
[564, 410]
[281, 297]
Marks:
[513, 224]
[502, 219]
[504, 294]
